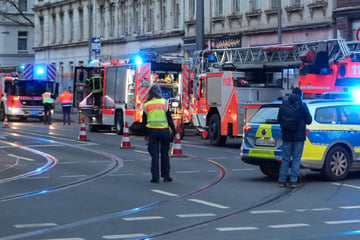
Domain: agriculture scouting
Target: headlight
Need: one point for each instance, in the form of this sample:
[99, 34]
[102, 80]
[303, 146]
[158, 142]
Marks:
[14, 110]
[175, 104]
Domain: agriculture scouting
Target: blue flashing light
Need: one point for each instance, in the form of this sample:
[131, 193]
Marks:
[138, 60]
[211, 58]
[22, 66]
[356, 94]
[40, 70]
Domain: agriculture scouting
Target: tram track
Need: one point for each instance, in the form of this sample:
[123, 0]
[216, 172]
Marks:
[117, 163]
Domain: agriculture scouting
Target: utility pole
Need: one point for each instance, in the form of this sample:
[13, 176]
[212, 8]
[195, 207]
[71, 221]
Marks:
[279, 22]
[90, 14]
[199, 24]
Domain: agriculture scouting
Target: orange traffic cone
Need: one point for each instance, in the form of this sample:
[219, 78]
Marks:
[125, 141]
[176, 150]
[82, 133]
[6, 124]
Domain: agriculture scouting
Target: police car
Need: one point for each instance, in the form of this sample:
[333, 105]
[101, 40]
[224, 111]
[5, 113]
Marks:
[332, 145]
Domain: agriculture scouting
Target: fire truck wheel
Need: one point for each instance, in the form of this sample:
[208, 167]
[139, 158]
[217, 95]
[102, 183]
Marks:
[214, 131]
[119, 123]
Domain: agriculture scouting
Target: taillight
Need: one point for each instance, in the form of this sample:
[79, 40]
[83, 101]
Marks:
[246, 129]
[307, 131]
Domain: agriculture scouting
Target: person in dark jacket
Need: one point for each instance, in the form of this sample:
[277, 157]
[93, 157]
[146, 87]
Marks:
[157, 120]
[293, 139]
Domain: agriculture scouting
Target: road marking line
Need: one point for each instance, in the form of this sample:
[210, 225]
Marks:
[182, 172]
[74, 176]
[65, 239]
[142, 218]
[20, 157]
[244, 169]
[39, 177]
[347, 185]
[321, 209]
[342, 222]
[121, 174]
[143, 152]
[267, 211]
[68, 162]
[123, 236]
[289, 225]
[164, 193]
[33, 225]
[208, 203]
[350, 207]
[227, 229]
[196, 215]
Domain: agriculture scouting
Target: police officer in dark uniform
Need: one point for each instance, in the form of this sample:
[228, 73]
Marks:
[157, 119]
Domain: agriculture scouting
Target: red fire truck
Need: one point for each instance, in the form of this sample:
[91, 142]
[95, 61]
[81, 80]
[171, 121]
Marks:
[125, 89]
[333, 67]
[21, 88]
[233, 83]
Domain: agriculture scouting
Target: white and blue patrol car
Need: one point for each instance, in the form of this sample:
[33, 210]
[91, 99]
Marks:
[332, 145]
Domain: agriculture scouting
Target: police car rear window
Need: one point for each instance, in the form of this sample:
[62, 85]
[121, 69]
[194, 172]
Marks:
[266, 115]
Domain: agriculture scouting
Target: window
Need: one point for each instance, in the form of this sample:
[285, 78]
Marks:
[54, 29]
[41, 33]
[150, 16]
[23, 5]
[81, 24]
[176, 11]
[123, 18]
[275, 4]
[22, 41]
[350, 114]
[163, 14]
[326, 115]
[71, 27]
[236, 6]
[192, 9]
[295, 2]
[255, 5]
[61, 35]
[112, 20]
[218, 11]
[136, 16]
[102, 21]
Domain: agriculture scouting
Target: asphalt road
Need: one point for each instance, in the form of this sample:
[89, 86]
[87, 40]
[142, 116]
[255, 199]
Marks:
[53, 186]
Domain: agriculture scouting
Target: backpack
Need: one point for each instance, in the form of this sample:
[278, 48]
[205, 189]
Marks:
[290, 115]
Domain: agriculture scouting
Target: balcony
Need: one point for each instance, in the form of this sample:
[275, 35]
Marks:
[296, 8]
[320, 5]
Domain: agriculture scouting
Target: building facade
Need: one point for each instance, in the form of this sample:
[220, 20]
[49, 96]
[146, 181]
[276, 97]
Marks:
[16, 33]
[67, 31]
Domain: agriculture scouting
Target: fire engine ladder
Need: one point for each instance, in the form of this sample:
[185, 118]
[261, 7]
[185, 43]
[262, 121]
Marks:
[267, 56]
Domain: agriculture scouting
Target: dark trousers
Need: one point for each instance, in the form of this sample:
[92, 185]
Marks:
[66, 114]
[159, 142]
[47, 113]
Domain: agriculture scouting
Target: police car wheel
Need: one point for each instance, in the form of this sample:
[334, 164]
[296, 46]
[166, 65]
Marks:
[270, 171]
[337, 164]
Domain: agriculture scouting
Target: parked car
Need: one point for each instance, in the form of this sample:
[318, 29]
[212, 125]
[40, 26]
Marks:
[332, 145]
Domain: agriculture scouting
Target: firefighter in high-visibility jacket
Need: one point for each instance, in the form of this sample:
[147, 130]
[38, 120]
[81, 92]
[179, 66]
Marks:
[48, 101]
[95, 83]
[66, 102]
[157, 120]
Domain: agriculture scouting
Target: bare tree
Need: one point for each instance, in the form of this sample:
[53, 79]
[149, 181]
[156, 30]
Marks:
[11, 11]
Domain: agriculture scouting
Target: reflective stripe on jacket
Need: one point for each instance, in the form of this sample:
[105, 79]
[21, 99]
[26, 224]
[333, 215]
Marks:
[155, 110]
[66, 99]
[46, 98]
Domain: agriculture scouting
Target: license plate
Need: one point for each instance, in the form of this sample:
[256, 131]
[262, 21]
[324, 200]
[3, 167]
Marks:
[268, 142]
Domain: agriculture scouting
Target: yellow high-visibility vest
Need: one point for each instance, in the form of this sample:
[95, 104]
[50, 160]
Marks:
[46, 98]
[155, 110]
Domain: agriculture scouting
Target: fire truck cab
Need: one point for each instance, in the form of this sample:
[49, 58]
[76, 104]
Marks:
[125, 89]
[21, 89]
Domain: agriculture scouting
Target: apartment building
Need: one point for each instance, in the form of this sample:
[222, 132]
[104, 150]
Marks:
[71, 32]
[16, 33]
